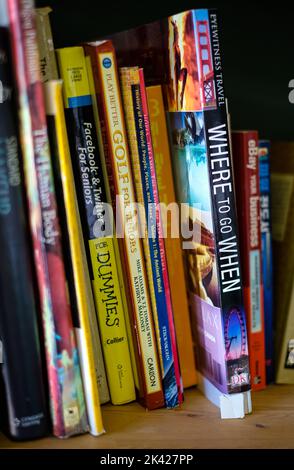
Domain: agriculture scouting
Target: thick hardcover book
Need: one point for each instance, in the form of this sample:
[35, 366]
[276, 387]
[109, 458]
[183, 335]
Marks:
[20, 364]
[173, 248]
[245, 153]
[92, 199]
[60, 344]
[282, 213]
[142, 159]
[183, 53]
[266, 255]
[90, 352]
[123, 196]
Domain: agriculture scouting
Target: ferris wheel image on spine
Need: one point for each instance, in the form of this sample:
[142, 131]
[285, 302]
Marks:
[235, 334]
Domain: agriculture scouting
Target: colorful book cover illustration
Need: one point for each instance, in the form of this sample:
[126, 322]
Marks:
[202, 165]
[141, 153]
[173, 248]
[23, 397]
[245, 152]
[266, 255]
[60, 343]
[89, 346]
[123, 196]
[92, 199]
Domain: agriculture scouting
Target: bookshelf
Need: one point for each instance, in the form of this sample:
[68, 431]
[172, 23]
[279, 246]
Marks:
[196, 425]
[256, 64]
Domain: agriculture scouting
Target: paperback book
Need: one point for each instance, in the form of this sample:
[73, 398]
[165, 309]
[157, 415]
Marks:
[84, 315]
[266, 255]
[245, 152]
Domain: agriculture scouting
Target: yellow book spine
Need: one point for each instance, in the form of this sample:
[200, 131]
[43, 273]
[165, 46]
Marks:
[115, 242]
[84, 337]
[172, 245]
[92, 205]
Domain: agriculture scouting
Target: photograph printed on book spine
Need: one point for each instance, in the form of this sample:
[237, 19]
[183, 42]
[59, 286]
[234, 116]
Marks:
[196, 128]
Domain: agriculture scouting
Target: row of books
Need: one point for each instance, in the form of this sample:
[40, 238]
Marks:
[120, 258]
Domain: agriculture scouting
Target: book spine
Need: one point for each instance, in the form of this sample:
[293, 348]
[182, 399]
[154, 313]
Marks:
[48, 64]
[173, 247]
[227, 251]
[154, 247]
[55, 308]
[266, 255]
[97, 229]
[245, 150]
[26, 410]
[115, 141]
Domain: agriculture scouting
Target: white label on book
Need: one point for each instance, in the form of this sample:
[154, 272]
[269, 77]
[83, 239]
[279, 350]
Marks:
[281, 193]
[290, 355]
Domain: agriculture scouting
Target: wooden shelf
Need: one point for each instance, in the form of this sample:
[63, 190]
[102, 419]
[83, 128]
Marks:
[196, 425]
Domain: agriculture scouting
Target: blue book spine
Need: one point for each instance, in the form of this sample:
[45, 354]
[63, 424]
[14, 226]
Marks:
[267, 256]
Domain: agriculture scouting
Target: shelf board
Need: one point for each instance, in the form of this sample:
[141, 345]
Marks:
[196, 425]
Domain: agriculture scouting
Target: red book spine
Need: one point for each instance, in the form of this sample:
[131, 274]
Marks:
[245, 152]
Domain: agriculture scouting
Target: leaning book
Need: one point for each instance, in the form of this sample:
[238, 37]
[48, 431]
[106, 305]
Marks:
[282, 212]
[20, 365]
[90, 352]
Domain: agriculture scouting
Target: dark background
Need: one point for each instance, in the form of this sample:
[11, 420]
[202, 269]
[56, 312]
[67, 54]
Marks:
[257, 45]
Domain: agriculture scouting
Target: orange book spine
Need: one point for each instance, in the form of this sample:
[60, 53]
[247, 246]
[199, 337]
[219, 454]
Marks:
[173, 247]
